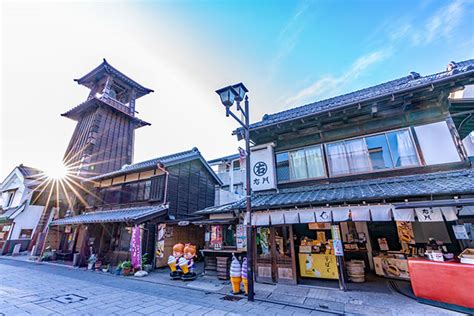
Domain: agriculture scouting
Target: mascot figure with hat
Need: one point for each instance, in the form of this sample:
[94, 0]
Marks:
[174, 261]
[188, 263]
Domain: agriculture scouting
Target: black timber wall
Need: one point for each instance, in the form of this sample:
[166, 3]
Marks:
[190, 188]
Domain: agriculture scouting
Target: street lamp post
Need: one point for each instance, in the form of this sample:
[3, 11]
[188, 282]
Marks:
[229, 95]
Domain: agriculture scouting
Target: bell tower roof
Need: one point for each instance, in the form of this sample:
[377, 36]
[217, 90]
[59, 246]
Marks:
[105, 69]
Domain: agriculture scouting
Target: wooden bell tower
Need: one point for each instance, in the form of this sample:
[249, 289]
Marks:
[104, 135]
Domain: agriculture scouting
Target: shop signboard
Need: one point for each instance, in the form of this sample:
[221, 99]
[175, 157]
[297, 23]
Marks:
[241, 237]
[216, 237]
[160, 243]
[337, 242]
[262, 168]
[460, 232]
[405, 233]
[318, 266]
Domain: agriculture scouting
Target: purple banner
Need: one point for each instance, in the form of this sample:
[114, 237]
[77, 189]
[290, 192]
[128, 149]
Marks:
[135, 248]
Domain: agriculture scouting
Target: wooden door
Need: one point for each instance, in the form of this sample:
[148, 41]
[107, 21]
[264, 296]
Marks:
[263, 255]
[284, 254]
[275, 255]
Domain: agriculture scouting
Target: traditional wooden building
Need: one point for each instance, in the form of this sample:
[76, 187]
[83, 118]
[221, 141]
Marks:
[103, 138]
[378, 171]
[156, 195]
[102, 142]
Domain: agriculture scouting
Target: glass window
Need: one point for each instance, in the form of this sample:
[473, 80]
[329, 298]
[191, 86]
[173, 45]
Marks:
[300, 164]
[112, 195]
[283, 167]
[125, 237]
[282, 241]
[306, 163]
[236, 165]
[402, 148]
[263, 242]
[26, 233]
[379, 153]
[347, 157]
[146, 195]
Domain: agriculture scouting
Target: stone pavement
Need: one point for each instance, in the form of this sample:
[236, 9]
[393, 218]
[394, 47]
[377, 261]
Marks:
[37, 289]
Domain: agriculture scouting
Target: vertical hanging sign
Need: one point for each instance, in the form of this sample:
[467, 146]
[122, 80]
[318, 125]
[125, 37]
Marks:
[262, 168]
[135, 248]
[337, 242]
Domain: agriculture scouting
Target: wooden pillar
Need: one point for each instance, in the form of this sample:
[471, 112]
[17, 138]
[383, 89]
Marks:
[108, 85]
[133, 96]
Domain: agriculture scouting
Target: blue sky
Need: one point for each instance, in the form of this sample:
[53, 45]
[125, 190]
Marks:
[288, 53]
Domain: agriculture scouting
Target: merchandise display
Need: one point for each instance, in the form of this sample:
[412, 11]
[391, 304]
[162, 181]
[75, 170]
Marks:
[317, 259]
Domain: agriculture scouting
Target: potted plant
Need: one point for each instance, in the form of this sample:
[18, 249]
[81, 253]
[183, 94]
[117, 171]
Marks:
[118, 269]
[91, 262]
[126, 267]
[147, 267]
[106, 268]
[98, 265]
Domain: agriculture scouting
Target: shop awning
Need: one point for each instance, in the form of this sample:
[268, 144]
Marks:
[222, 221]
[365, 213]
[420, 186]
[133, 215]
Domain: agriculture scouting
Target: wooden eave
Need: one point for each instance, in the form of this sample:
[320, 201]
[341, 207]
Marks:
[401, 99]
[105, 67]
[94, 102]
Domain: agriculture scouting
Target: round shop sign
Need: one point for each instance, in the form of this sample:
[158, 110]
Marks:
[260, 168]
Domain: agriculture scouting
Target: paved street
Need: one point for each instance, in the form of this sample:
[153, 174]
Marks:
[36, 289]
[28, 288]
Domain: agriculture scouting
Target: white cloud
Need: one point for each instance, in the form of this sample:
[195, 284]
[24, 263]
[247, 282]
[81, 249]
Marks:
[329, 85]
[288, 37]
[437, 26]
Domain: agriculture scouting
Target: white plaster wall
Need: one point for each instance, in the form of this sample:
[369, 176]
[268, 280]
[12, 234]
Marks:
[437, 143]
[14, 181]
[28, 219]
[468, 143]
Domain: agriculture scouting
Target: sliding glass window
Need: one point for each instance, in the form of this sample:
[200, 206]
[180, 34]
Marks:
[372, 153]
[305, 163]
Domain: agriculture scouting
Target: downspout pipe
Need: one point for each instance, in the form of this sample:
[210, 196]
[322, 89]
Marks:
[162, 168]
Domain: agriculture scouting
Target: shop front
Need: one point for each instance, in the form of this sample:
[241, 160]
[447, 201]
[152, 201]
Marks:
[224, 237]
[357, 245]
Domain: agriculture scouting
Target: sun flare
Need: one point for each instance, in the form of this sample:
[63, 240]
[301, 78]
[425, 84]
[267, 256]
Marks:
[57, 172]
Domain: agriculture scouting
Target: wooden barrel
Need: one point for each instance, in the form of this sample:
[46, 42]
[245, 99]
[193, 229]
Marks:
[355, 271]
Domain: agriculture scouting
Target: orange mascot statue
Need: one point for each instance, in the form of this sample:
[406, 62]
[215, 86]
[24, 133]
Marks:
[174, 260]
[187, 263]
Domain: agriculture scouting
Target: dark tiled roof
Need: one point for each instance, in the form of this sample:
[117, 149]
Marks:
[412, 81]
[78, 109]
[225, 208]
[438, 183]
[225, 158]
[167, 161]
[106, 67]
[9, 212]
[28, 172]
[133, 215]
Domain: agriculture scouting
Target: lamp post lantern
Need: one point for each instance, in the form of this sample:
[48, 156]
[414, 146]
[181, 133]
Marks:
[228, 95]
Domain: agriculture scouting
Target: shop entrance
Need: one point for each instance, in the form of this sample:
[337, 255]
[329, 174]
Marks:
[275, 255]
[316, 262]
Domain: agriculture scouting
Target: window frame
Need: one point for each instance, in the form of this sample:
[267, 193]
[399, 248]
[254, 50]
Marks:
[27, 229]
[325, 167]
[415, 146]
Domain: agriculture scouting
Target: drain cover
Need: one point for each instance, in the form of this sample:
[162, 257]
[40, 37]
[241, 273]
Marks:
[69, 298]
[231, 298]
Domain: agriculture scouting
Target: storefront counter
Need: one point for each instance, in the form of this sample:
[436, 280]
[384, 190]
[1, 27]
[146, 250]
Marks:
[217, 262]
[391, 267]
[447, 282]
[315, 265]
